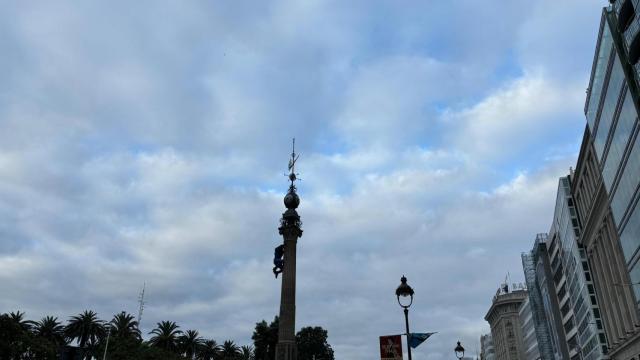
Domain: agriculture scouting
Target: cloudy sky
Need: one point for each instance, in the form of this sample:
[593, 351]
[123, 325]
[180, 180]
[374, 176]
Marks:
[147, 142]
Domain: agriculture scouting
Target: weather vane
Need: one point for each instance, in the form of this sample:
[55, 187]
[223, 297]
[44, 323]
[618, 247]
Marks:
[292, 163]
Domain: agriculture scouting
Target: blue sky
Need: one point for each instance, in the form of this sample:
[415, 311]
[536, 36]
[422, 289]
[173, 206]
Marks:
[146, 141]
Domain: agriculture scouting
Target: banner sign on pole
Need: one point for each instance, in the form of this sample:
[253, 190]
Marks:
[391, 347]
[415, 339]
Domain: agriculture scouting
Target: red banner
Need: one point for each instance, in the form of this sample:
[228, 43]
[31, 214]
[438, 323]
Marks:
[391, 347]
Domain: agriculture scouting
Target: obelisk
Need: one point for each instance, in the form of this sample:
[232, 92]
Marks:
[290, 231]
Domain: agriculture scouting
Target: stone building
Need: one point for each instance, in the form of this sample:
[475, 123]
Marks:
[605, 257]
[506, 329]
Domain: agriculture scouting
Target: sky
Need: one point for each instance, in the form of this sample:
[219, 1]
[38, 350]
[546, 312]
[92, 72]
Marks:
[146, 142]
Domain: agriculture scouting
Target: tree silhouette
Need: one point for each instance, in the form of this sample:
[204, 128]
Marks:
[189, 343]
[22, 339]
[13, 338]
[246, 353]
[18, 339]
[18, 318]
[124, 326]
[50, 329]
[166, 336]
[210, 350]
[87, 330]
[265, 339]
[312, 344]
[230, 351]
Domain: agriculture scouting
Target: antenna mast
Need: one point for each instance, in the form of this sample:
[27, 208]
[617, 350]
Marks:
[141, 303]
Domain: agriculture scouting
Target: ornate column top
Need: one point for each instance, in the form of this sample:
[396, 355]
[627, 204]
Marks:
[290, 220]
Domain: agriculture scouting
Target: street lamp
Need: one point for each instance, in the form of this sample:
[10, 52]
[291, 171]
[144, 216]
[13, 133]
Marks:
[404, 290]
[104, 356]
[459, 350]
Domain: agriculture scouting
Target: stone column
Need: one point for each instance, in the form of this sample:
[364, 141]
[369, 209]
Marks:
[290, 231]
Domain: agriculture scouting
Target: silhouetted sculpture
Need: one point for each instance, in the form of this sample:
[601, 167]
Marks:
[278, 260]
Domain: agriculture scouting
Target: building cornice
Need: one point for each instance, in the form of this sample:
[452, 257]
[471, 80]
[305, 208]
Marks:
[517, 296]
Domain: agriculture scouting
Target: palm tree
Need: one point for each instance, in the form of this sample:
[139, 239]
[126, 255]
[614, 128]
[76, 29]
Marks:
[166, 336]
[230, 351]
[190, 343]
[86, 328]
[210, 350]
[124, 326]
[18, 318]
[51, 329]
[246, 353]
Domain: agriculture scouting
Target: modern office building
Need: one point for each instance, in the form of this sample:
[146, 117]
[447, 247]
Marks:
[506, 329]
[612, 116]
[606, 182]
[573, 281]
[529, 331]
[544, 302]
[487, 352]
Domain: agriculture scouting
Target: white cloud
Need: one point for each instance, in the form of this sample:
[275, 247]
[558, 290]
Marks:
[147, 142]
[516, 117]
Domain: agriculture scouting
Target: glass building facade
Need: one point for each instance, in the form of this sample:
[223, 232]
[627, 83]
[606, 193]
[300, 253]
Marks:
[607, 178]
[546, 347]
[612, 116]
[530, 339]
[543, 301]
[581, 322]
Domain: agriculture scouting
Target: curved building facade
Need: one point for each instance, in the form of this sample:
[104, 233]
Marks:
[506, 328]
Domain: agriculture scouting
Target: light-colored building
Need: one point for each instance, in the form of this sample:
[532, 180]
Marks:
[529, 331]
[487, 352]
[606, 183]
[543, 300]
[573, 281]
[506, 329]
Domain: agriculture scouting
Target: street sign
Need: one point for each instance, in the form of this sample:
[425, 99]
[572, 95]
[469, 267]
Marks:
[391, 347]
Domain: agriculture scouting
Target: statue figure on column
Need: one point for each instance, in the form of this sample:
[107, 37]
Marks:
[278, 260]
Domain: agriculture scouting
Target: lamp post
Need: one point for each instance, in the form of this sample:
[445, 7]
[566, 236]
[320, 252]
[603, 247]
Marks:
[104, 355]
[404, 290]
[459, 350]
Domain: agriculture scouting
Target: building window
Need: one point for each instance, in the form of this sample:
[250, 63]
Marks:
[630, 237]
[634, 49]
[602, 63]
[621, 134]
[625, 16]
[609, 106]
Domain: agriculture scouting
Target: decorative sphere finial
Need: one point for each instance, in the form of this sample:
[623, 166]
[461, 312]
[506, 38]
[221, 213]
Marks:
[291, 200]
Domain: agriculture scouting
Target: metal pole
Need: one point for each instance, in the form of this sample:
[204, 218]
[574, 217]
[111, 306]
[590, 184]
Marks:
[406, 321]
[104, 356]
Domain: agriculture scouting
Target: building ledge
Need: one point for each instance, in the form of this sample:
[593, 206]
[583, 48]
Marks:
[630, 343]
